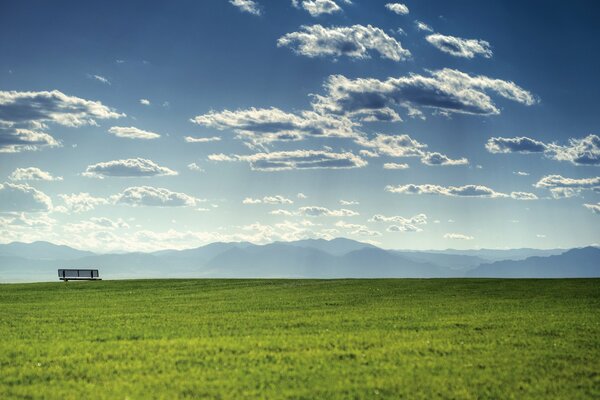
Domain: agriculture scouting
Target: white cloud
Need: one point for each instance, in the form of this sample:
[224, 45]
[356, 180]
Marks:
[16, 140]
[395, 166]
[100, 78]
[453, 191]
[401, 224]
[521, 173]
[585, 151]
[557, 181]
[25, 115]
[349, 203]
[357, 229]
[145, 102]
[262, 126]
[595, 208]
[22, 220]
[195, 167]
[422, 26]
[515, 145]
[81, 202]
[32, 174]
[394, 145]
[154, 197]
[191, 139]
[561, 187]
[355, 41]
[297, 159]
[301, 196]
[438, 159]
[132, 133]
[132, 167]
[249, 6]
[282, 212]
[523, 196]
[277, 199]
[445, 91]
[458, 236]
[459, 47]
[317, 7]
[397, 8]
[23, 198]
[316, 211]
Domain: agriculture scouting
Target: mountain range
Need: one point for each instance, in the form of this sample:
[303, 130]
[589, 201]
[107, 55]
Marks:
[311, 258]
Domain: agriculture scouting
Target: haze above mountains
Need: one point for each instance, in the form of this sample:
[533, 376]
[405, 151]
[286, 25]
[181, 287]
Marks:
[312, 258]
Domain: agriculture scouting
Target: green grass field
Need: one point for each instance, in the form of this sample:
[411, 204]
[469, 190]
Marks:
[304, 339]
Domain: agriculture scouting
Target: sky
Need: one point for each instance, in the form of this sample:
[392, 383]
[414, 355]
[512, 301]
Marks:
[139, 126]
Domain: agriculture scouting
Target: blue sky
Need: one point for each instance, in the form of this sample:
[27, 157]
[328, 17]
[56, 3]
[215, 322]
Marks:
[413, 125]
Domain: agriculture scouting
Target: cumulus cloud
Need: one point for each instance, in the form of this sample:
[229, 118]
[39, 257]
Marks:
[357, 229]
[515, 145]
[395, 166]
[452, 191]
[145, 102]
[317, 7]
[355, 41]
[249, 6]
[100, 78]
[401, 224]
[55, 106]
[459, 47]
[595, 208]
[132, 167]
[349, 203]
[32, 174]
[132, 133]
[585, 151]
[438, 159]
[262, 126]
[458, 236]
[405, 146]
[22, 220]
[95, 224]
[81, 202]
[16, 140]
[191, 139]
[556, 181]
[277, 199]
[394, 145]
[23, 198]
[561, 187]
[523, 196]
[24, 117]
[397, 8]
[154, 197]
[444, 91]
[296, 159]
[316, 211]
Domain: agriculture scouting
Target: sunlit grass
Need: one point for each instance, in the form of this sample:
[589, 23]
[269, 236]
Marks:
[301, 339]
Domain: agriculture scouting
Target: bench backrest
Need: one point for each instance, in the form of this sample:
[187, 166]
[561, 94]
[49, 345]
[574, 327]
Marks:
[78, 273]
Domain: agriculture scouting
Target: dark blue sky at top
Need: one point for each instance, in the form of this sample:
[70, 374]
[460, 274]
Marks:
[207, 55]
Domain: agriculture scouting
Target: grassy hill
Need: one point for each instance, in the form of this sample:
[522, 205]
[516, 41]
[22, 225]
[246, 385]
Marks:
[442, 338]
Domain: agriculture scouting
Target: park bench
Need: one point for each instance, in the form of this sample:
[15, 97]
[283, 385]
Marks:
[78, 275]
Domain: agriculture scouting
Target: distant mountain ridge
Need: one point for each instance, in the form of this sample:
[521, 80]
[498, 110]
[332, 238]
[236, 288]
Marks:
[311, 258]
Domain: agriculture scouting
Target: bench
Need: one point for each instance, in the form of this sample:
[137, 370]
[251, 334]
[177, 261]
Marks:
[78, 275]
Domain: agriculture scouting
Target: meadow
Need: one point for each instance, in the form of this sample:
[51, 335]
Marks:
[301, 339]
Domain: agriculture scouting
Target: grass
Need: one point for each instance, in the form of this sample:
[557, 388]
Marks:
[302, 339]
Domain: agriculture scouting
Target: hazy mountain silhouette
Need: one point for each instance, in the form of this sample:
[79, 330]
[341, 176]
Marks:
[42, 251]
[338, 258]
[575, 263]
